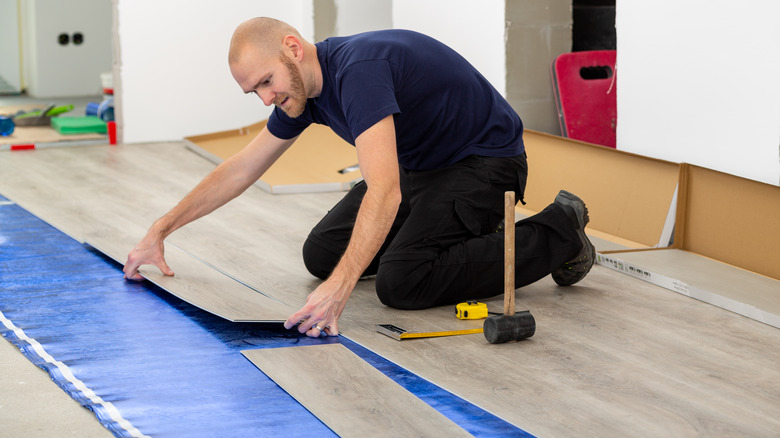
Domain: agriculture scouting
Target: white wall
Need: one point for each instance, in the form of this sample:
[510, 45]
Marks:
[54, 70]
[10, 67]
[356, 16]
[473, 29]
[175, 80]
[699, 82]
[698, 79]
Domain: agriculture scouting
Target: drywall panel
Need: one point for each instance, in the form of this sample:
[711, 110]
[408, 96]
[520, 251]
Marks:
[67, 45]
[536, 32]
[10, 68]
[350, 396]
[174, 71]
[475, 30]
[356, 16]
[698, 84]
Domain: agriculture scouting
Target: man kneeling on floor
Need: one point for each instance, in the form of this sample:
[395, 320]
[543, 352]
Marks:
[437, 146]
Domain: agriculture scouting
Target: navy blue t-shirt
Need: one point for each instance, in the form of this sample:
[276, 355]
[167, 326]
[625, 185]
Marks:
[444, 109]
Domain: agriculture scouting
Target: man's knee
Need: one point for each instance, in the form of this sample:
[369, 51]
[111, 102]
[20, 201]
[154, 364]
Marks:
[398, 287]
[319, 261]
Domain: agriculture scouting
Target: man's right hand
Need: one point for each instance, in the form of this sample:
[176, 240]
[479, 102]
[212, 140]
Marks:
[149, 251]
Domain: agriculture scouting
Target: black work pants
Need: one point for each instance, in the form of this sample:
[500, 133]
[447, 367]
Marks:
[442, 247]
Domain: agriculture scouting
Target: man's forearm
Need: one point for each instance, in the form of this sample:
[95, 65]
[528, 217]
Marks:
[379, 165]
[374, 220]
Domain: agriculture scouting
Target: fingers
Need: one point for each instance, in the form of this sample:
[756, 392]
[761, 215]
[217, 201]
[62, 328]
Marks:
[164, 268]
[308, 325]
[295, 319]
[331, 330]
[304, 320]
[131, 271]
[142, 255]
[320, 314]
[134, 277]
[318, 330]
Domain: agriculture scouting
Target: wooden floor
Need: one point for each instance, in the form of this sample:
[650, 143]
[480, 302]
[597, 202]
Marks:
[612, 356]
[33, 406]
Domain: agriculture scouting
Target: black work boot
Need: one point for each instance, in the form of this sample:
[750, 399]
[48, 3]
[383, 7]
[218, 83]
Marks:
[575, 270]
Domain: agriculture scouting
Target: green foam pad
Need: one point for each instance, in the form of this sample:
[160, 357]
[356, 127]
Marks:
[78, 125]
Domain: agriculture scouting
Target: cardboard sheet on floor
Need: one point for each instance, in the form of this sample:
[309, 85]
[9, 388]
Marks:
[350, 396]
[315, 163]
[630, 197]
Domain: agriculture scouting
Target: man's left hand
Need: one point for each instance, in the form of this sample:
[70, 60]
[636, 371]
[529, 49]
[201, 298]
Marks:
[321, 312]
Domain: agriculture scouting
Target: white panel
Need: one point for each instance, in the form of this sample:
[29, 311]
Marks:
[473, 29]
[698, 83]
[175, 76]
[55, 70]
[10, 67]
[356, 16]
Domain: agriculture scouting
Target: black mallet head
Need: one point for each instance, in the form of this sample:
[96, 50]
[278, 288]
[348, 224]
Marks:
[505, 328]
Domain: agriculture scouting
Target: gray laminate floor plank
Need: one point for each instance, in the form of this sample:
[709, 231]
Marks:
[350, 396]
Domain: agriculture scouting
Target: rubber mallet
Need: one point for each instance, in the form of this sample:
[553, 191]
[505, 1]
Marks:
[509, 326]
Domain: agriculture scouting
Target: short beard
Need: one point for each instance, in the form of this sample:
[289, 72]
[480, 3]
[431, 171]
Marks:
[297, 94]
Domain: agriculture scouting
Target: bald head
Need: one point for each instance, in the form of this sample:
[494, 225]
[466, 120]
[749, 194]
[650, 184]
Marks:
[269, 58]
[263, 34]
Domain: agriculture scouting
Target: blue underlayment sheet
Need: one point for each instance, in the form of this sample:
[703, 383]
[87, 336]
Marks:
[147, 363]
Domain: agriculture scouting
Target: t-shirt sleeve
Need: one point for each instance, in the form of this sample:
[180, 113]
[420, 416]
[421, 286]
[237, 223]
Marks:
[367, 94]
[285, 127]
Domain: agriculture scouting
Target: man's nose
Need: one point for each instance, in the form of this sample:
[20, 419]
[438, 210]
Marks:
[267, 97]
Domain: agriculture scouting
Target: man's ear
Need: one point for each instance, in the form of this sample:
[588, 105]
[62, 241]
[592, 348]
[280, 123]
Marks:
[293, 47]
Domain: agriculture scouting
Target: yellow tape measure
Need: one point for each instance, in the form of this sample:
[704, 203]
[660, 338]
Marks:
[471, 310]
[399, 334]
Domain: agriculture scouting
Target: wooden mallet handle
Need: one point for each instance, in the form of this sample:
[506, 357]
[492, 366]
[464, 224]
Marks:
[509, 253]
[509, 327]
